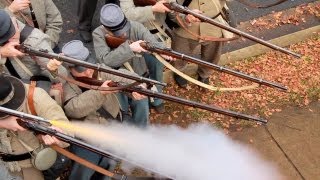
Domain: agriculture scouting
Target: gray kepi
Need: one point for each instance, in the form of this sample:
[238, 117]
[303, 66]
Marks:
[76, 49]
[7, 29]
[112, 18]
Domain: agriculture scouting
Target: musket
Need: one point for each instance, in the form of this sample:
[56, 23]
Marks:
[184, 10]
[46, 54]
[114, 42]
[175, 99]
[175, 54]
[41, 125]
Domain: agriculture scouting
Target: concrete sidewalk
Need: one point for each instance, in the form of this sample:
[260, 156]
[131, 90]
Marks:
[291, 140]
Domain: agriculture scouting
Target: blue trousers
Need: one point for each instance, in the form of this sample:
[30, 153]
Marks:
[80, 172]
[139, 109]
[155, 68]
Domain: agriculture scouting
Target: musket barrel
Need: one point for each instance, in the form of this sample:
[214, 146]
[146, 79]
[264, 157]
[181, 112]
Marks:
[176, 7]
[49, 55]
[191, 59]
[23, 115]
[195, 104]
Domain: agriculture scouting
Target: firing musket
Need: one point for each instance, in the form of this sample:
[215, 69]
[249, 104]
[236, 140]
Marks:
[45, 53]
[41, 125]
[96, 84]
[175, 54]
[184, 10]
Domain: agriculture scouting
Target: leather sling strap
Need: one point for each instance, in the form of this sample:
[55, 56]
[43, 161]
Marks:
[28, 20]
[32, 86]
[100, 169]
[82, 161]
[194, 81]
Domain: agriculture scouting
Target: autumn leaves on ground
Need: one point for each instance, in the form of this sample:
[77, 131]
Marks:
[301, 76]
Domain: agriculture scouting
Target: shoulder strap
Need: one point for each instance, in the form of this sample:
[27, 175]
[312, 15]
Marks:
[32, 86]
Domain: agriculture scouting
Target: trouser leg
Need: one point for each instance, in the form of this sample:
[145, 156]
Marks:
[181, 45]
[155, 68]
[210, 52]
[86, 9]
[140, 112]
[80, 172]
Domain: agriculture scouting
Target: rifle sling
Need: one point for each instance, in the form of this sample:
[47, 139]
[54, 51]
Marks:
[82, 161]
[32, 86]
[194, 81]
[96, 168]
[28, 20]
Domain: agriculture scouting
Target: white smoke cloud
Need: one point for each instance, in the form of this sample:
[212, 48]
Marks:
[199, 152]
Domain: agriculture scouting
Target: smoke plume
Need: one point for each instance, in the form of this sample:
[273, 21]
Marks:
[199, 152]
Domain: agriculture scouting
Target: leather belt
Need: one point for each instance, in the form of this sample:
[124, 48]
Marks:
[14, 157]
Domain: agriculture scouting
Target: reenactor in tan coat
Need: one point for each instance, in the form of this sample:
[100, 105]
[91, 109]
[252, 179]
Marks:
[14, 139]
[185, 42]
[45, 15]
[94, 106]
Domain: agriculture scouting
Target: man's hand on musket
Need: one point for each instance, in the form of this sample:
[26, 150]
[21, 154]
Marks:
[53, 65]
[9, 50]
[136, 47]
[18, 5]
[160, 7]
[11, 123]
[50, 140]
[105, 85]
[191, 19]
[138, 96]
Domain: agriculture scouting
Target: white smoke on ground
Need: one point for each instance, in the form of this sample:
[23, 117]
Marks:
[199, 152]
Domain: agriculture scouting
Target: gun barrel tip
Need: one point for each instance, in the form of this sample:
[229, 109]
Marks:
[297, 55]
[263, 121]
[283, 88]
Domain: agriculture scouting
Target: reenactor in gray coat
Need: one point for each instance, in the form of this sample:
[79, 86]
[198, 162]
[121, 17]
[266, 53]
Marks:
[149, 16]
[114, 22]
[15, 32]
[45, 15]
[88, 105]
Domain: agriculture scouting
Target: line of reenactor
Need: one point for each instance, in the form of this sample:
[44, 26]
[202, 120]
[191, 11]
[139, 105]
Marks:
[35, 85]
